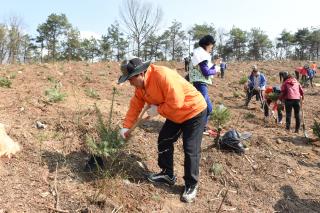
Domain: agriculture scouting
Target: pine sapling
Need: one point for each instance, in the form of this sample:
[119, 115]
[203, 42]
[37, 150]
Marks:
[219, 117]
[109, 141]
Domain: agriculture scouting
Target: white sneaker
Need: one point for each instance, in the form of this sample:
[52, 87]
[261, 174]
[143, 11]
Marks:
[189, 194]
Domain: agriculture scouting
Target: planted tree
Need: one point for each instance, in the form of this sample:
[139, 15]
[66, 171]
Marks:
[220, 116]
[109, 141]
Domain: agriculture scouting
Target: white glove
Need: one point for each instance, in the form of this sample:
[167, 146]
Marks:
[153, 111]
[123, 132]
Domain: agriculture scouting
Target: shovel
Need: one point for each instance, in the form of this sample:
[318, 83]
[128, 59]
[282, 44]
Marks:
[138, 122]
[303, 122]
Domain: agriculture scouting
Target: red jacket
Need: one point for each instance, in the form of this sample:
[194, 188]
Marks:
[291, 89]
[302, 70]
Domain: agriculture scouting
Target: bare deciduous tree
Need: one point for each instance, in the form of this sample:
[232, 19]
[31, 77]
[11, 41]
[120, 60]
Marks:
[141, 20]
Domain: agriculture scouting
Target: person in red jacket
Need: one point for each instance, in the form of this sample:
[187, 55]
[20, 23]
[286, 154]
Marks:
[170, 95]
[292, 94]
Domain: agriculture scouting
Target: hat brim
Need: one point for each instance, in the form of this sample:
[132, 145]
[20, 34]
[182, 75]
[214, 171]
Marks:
[139, 69]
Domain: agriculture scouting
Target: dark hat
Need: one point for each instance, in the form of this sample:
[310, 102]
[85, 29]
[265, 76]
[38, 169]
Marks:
[131, 68]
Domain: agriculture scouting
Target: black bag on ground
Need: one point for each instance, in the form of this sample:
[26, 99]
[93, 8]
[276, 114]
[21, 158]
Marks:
[231, 141]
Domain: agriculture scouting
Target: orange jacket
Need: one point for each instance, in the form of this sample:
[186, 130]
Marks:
[314, 66]
[176, 98]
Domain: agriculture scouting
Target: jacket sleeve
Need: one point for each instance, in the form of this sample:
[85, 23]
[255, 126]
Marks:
[283, 91]
[173, 96]
[136, 105]
[250, 82]
[301, 91]
[206, 71]
[263, 81]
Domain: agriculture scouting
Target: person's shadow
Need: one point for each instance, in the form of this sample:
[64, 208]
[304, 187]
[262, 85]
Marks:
[151, 126]
[298, 140]
[291, 203]
[88, 167]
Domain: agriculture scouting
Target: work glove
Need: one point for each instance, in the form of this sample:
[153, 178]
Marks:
[123, 132]
[153, 111]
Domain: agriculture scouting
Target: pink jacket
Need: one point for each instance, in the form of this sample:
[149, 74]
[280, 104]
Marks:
[291, 89]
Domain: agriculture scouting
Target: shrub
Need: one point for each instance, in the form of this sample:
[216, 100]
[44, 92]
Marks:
[5, 82]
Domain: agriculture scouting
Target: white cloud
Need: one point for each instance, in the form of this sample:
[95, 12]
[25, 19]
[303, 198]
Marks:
[89, 34]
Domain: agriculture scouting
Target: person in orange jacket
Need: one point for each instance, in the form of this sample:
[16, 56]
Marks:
[170, 95]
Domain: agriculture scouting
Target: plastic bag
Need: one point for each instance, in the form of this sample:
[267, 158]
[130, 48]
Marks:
[231, 141]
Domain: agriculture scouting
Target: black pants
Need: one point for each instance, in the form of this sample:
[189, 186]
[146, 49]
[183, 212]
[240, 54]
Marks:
[295, 104]
[297, 75]
[311, 81]
[304, 79]
[251, 93]
[192, 131]
[281, 76]
[266, 110]
[222, 72]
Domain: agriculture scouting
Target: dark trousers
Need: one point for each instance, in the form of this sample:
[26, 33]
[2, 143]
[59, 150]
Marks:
[281, 76]
[295, 105]
[192, 131]
[266, 110]
[251, 93]
[297, 75]
[203, 89]
[304, 80]
[222, 72]
[311, 81]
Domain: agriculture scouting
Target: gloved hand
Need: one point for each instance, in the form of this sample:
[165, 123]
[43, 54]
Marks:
[123, 132]
[153, 111]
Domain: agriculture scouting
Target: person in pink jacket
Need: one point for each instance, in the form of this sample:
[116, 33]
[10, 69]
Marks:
[291, 94]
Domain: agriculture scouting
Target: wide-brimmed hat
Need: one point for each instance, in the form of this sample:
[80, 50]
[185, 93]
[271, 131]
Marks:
[131, 68]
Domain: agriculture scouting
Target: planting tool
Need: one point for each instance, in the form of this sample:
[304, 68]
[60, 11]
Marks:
[138, 122]
[303, 121]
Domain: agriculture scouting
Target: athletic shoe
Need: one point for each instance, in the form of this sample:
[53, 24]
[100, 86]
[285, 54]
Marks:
[190, 193]
[162, 177]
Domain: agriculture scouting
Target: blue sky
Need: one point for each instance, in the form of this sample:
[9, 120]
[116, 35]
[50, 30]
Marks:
[94, 16]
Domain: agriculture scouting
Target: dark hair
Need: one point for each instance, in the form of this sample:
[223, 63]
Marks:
[206, 40]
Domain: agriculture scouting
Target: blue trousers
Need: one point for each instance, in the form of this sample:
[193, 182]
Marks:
[203, 89]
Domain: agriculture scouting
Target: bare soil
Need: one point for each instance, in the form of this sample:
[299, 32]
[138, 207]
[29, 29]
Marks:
[279, 173]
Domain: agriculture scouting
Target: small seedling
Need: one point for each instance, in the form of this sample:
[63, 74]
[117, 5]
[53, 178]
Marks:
[5, 82]
[92, 93]
[216, 169]
[236, 94]
[54, 94]
[220, 116]
[249, 115]
[243, 80]
[13, 75]
[316, 128]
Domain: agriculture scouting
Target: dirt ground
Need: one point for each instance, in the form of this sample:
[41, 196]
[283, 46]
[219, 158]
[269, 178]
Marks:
[279, 173]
